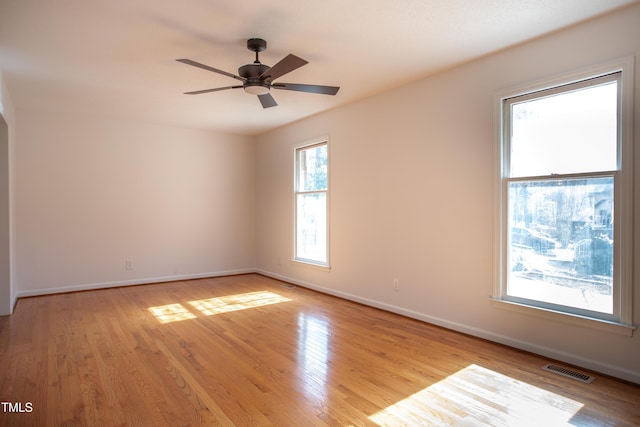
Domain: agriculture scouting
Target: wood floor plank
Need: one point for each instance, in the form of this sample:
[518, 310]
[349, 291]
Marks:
[248, 350]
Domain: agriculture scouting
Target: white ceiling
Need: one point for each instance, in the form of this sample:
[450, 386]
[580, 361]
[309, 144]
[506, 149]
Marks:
[116, 58]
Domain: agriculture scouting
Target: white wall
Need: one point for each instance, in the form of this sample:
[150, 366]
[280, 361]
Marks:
[8, 293]
[5, 252]
[412, 197]
[93, 192]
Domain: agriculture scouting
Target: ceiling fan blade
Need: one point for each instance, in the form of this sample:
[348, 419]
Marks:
[286, 65]
[208, 68]
[324, 90]
[197, 92]
[267, 100]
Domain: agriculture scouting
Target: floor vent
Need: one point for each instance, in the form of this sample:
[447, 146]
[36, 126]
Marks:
[569, 373]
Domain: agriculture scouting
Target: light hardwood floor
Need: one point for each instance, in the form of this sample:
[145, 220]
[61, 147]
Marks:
[252, 351]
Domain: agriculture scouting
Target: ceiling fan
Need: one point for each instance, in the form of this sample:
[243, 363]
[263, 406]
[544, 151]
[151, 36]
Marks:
[258, 79]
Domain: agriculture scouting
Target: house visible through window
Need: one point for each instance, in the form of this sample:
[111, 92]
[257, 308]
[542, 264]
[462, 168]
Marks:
[561, 205]
[311, 188]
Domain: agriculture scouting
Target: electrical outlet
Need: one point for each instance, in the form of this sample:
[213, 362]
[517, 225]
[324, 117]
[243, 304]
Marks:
[396, 285]
[128, 264]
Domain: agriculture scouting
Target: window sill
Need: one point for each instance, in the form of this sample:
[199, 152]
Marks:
[312, 264]
[573, 319]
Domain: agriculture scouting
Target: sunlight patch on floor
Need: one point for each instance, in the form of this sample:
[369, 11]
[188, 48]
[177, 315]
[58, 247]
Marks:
[171, 313]
[176, 312]
[480, 396]
[237, 302]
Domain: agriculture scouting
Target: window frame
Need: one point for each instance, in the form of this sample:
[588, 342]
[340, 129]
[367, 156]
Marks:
[297, 148]
[621, 320]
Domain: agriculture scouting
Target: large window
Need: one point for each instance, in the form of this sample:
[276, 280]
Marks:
[311, 190]
[564, 214]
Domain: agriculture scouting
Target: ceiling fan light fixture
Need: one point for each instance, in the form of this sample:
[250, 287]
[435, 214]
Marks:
[256, 89]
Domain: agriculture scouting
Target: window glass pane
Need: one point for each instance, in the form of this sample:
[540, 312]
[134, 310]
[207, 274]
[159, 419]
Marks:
[570, 132]
[312, 168]
[561, 242]
[311, 230]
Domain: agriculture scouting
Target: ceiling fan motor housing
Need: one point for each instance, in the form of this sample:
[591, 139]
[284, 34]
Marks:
[253, 84]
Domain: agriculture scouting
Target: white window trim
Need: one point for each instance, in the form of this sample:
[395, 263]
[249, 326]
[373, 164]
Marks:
[294, 258]
[624, 299]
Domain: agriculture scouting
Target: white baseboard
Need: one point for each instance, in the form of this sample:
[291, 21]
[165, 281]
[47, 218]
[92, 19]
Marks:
[573, 359]
[144, 281]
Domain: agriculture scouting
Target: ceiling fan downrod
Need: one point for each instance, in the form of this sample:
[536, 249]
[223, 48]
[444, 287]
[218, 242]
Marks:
[257, 45]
